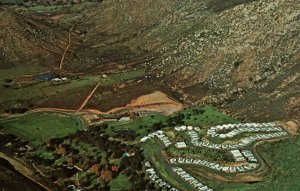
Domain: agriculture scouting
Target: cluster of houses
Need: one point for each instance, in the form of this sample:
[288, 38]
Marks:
[160, 135]
[249, 156]
[245, 160]
[186, 128]
[234, 168]
[194, 135]
[237, 155]
[242, 143]
[247, 141]
[251, 127]
[191, 180]
[155, 178]
[235, 129]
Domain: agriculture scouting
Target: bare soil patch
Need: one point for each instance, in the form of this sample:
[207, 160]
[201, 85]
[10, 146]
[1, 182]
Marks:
[156, 101]
[253, 177]
[291, 126]
[121, 96]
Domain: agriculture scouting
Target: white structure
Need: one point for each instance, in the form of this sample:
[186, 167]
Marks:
[144, 139]
[180, 145]
[191, 180]
[124, 119]
[156, 179]
[238, 157]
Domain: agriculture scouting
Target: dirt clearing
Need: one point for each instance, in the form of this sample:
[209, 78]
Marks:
[156, 101]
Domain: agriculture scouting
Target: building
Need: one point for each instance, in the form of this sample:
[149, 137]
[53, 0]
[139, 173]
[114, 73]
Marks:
[180, 145]
[124, 119]
[237, 155]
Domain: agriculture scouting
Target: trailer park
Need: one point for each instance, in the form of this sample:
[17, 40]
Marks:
[226, 138]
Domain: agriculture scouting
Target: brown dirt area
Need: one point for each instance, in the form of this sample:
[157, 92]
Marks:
[123, 97]
[134, 96]
[253, 177]
[291, 126]
[156, 101]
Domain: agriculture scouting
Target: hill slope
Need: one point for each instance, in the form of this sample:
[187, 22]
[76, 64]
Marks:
[242, 55]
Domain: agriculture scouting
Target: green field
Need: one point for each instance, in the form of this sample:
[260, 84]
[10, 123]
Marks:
[39, 127]
[35, 89]
[210, 117]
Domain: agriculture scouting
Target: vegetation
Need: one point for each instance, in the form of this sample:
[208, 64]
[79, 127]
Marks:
[201, 117]
[41, 126]
[283, 159]
[141, 126]
[221, 5]
[120, 183]
[110, 163]
[202, 153]
[153, 153]
[36, 90]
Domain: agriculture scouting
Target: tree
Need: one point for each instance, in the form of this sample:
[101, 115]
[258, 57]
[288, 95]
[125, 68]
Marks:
[106, 175]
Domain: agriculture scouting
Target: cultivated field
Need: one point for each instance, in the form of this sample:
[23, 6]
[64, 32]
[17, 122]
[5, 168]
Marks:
[41, 126]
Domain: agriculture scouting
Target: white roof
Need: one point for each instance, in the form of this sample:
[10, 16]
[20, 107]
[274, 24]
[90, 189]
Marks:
[180, 145]
[190, 128]
[145, 139]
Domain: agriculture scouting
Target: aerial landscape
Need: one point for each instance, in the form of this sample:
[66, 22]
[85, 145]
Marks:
[149, 95]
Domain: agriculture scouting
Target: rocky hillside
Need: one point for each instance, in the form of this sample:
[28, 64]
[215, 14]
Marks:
[25, 39]
[242, 55]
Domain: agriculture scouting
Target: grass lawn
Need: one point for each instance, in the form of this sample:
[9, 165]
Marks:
[41, 126]
[120, 183]
[140, 125]
[211, 116]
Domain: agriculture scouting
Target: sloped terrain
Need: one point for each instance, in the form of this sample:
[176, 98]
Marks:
[27, 39]
[241, 55]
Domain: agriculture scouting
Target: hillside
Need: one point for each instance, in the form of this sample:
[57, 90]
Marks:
[28, 39]
[240, 55]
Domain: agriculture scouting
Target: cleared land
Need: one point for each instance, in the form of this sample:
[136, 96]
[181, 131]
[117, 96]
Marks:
[41, 126]
[156, 101]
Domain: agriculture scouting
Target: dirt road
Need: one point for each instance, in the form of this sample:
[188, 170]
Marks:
[88, 98]
[23, 169]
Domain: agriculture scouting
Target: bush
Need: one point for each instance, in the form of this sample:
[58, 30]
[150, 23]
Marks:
[221, 5]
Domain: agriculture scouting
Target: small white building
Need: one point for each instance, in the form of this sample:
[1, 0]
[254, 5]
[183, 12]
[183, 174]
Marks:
[144, 139]
[190, 128]
[180, 145]
[124, 119]
[56, 80]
